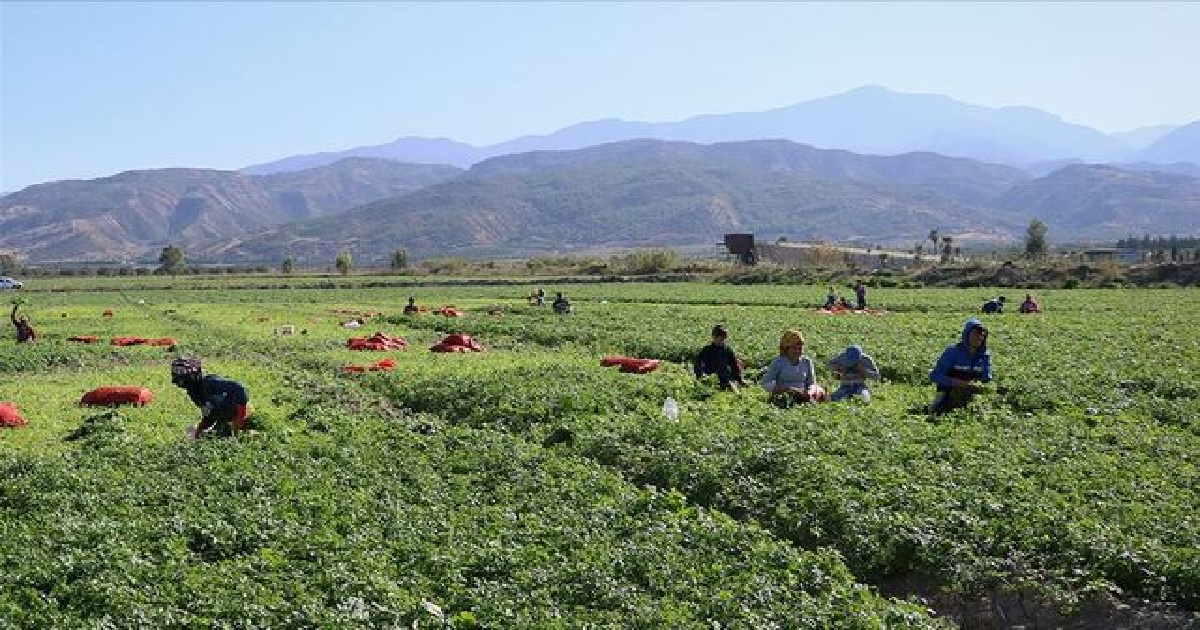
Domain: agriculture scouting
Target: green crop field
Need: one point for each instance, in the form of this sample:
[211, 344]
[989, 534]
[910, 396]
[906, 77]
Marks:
[528, 486]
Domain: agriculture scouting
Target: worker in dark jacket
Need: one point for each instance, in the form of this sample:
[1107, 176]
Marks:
[960, 368]
[25, 331]
[224, 404]
[994, 306]
[719, 359]
[561, 304]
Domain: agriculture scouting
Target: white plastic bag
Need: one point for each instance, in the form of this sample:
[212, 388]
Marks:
[670, 409]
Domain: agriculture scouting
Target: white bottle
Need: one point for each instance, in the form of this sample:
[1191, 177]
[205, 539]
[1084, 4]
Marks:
[670, 409]
[866, 395]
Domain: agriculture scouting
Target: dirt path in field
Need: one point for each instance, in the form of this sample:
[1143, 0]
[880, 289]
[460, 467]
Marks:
[1025, 609]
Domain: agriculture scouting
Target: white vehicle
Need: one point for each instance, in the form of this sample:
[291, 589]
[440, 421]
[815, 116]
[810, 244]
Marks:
[9, 283]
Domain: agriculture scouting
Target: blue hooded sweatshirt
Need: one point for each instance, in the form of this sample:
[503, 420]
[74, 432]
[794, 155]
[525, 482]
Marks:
[956, 361]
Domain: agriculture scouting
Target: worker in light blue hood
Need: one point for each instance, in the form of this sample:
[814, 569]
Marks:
[853, 367]
[960, 368]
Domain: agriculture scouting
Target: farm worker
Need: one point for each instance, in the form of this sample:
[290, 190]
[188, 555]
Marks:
[844, 303]
[1029, 305]
[860, 292]
[411, 307]
[224, 404]
[719, 359]
[561, 304]
[25, 331]
[830, 300]
[960, 367]
[853, 367]
[540, 296]
[790, 377]
[994, 306]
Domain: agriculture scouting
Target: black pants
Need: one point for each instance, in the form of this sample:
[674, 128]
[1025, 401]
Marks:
[950, 400]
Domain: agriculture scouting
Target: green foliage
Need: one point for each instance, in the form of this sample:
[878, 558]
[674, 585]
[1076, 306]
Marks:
[343, 262]
[9, 264]
[399, 259]
[289, 266]
[171, 261]
[1036, 243]
[647, 261]
[529, 487]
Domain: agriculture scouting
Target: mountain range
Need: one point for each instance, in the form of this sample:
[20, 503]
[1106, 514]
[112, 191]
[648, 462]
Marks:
[904, 164]
[131, 214]
[652, 192]
[658, 193]
[869, 120]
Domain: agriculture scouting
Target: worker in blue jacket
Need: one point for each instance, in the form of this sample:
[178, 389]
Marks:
[961, 368]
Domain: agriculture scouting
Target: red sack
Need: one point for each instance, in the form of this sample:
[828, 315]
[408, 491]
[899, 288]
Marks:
[107, 312]
[640, 366]
[630, 365]
[612, 360]
[459, 339]
[108, 396]
[163, 341]
[386, 365]
[84, 338]
[379, 341]
[128, 341]
[443, 347]
[10, 416]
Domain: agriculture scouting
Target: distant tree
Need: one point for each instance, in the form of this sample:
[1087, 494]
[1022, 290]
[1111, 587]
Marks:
[288, 266]
[918, 251]
[171, 261]
[400, 259]
[1036, 244]
[883, 259]
[934, 237]
[9, 264]
[343, 262]
[947, 248]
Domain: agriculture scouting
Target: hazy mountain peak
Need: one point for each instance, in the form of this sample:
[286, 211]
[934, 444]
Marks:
[871, 119]
[1180, 145]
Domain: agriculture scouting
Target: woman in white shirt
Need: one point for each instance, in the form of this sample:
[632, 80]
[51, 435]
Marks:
[790, 377]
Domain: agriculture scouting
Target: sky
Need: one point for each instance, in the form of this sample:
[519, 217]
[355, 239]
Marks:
[92, 89]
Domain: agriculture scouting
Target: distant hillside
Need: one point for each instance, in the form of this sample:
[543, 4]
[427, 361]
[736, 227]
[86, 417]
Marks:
[1100, 202]
[1181, 145]
[131, 214]
[649, 193]
[1143, 137]
[411, 150]
[871, 120]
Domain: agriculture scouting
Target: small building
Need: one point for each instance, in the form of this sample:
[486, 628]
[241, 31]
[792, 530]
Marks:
[741, 247]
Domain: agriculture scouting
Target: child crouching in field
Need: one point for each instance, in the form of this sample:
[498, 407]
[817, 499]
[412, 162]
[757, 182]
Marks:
[790, 377]
[853, 367]
[717, 358]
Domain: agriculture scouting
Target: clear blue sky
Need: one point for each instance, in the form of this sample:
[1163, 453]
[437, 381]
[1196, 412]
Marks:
[90, 89]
